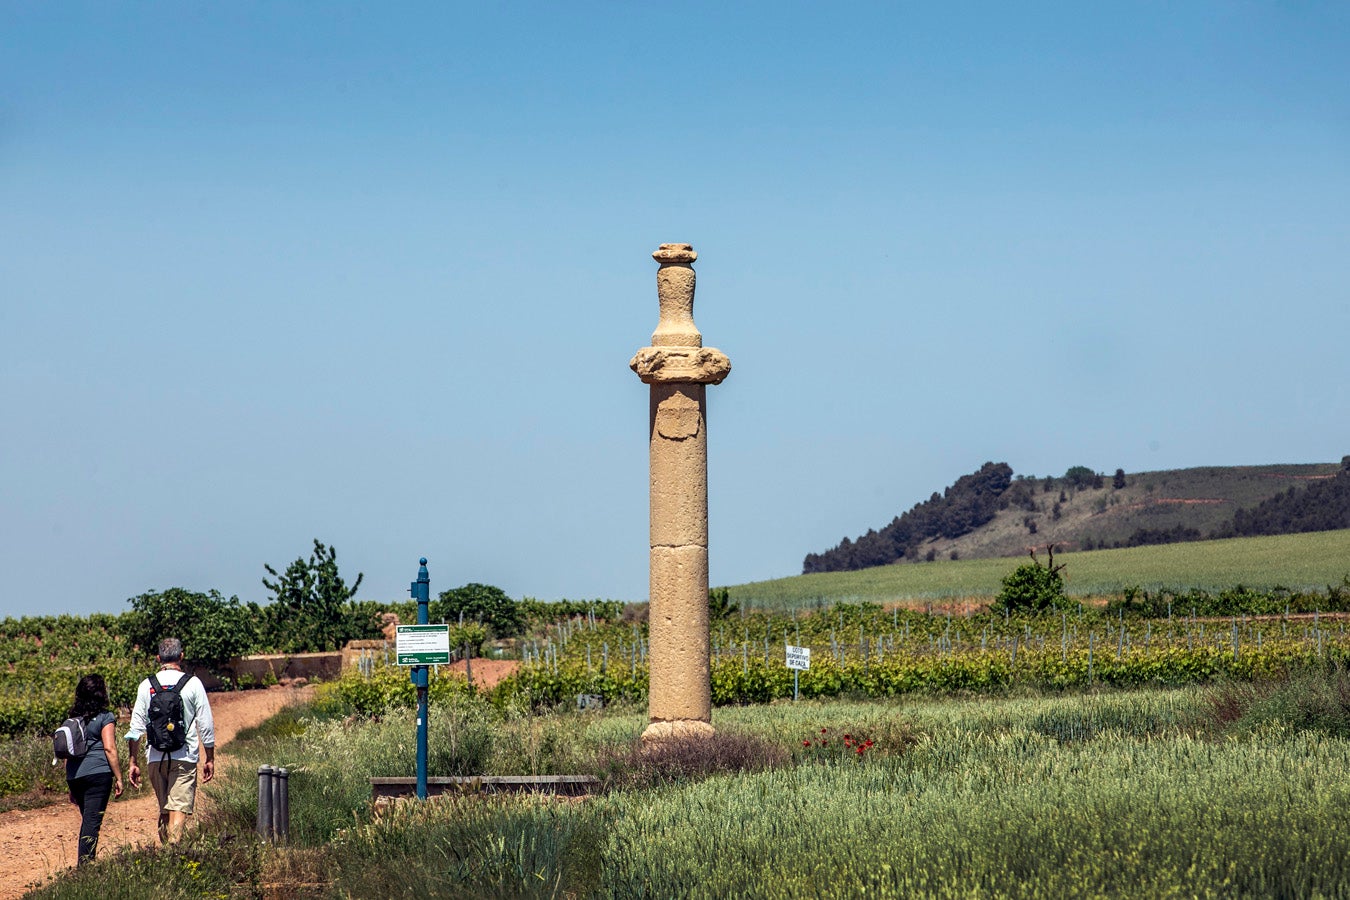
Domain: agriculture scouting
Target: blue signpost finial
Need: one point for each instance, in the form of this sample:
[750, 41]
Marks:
[421, 591]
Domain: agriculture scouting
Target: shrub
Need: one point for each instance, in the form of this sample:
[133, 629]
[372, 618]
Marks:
[312, 608]
[385, 687]
[26, 771]
[692, 758]
[479, 603]
[544, 612]
[1033, 586]
[720, 605]
[1234, 601]
[469, 637]
[211, 628]
[1313, 698]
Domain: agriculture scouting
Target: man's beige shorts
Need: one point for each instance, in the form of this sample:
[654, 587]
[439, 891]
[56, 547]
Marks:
[175, 784]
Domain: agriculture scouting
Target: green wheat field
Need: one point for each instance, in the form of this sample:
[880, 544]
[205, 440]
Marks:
[1297, 561]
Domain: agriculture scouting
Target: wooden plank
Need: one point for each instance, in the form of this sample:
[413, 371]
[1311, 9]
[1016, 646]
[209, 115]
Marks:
[571, 785]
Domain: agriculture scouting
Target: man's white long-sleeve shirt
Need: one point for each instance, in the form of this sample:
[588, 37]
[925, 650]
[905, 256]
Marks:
[196, 716]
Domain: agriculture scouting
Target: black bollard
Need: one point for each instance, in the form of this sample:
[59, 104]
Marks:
[282, 811]
[265, 802]
[276, 803]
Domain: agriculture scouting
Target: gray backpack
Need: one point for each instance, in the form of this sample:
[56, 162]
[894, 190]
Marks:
[70, 741]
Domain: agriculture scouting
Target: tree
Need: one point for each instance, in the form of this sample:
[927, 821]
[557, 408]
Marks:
[469, 637]
[312, 609]
[1322, 506]
[1033, 586]
[719, 604]
[1118, 480]
[1080, 477]
[479, 603]
[213, 630]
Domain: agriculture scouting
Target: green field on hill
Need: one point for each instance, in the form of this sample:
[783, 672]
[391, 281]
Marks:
[1299, 561]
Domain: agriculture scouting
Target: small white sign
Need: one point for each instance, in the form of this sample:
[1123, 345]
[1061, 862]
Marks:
[423, 645]
[798, 657]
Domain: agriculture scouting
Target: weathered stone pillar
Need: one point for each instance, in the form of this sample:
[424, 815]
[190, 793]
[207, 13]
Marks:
[678, 367]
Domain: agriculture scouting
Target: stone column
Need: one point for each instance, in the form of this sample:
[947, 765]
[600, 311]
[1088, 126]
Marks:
[678, 367]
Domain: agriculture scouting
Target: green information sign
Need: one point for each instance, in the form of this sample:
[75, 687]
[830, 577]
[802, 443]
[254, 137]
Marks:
[423, 645]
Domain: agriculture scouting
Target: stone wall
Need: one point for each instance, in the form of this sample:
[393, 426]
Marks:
[354, 650]
[288, 666]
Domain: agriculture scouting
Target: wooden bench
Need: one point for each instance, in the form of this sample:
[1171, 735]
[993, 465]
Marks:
[568, 785]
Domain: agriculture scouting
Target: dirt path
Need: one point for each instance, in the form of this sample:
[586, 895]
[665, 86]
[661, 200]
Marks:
[36, 844]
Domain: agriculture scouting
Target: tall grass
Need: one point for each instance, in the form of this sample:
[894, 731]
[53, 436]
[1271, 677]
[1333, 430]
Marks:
[27, 776]
[482, 848]
[1014, 814]
[1102, 795]
[204, 864]
[1177, 792]
[332, 760]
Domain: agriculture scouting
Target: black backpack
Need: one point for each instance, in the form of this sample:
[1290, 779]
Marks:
[164, 720]
[70, 741]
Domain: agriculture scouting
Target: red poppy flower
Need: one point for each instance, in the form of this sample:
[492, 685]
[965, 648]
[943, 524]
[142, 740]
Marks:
[806, 743]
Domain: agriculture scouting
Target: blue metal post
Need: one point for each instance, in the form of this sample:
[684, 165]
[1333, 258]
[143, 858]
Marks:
[421, 592]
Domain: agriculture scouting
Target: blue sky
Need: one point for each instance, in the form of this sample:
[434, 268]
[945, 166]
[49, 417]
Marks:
[373, 273]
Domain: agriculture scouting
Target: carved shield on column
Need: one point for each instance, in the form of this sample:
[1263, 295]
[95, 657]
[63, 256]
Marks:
[677, 418]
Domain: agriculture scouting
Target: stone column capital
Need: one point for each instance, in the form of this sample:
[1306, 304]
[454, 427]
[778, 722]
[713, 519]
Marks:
[689, 365]
[675, 290]
[674, 254]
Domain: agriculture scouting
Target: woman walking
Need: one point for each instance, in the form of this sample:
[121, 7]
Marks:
[97, 774]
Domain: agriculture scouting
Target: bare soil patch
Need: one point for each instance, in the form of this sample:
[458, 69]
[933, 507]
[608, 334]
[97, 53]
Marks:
[37, 844]
[487, 672]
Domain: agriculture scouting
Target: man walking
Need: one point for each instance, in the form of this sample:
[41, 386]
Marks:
[172, 708]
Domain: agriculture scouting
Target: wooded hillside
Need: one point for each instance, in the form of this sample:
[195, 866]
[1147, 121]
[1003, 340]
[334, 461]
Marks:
[992, 513]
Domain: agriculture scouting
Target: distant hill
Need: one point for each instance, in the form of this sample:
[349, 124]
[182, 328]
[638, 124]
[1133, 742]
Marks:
[992, 513]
